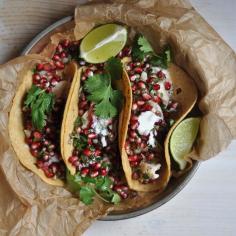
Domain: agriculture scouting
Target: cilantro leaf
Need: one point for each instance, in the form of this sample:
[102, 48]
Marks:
[96, 82]
[86, 194]
[117, 99]
[137, 53]
[105, 109]
[73, 181]
[41, 103]
[144, 45]
[163, 59]
[115, 198]
[80, 142]
[114, 67]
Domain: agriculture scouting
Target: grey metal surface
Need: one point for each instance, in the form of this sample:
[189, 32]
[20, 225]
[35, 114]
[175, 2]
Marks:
[175, 186]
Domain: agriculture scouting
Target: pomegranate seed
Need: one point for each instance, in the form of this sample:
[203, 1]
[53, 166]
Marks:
[48, 130]
[37, 135]
[117, 188]
[139, 140]
[97, 152]
[156, 86]
[150, 157]
[40, 164]
[39, 66]
[134, 118]
[72, 159]
[59, 65]
[94, 174]
[90, 142]
[103, 172]
[87, 152]
[28, 140]
[34, 152]
[133, 134]
[138, 70]
[36, 77]
[133, 158]
[167, 85]
[140, 103]
[56, 57]
[149, 80]
[84, 171]
[81, 112]
[83, 78]
[141, 85]
[160, 74]
[83, 104]
[134, 163]
[97, 166]
[134, 106]
[35, 145]
[45, 157]
[134, 87]
[133, 77]
[135, 175]
[59, 48]
[86, 131]
[147, 107]
[134, 126]
[54, 82]
[123, 195]
[131, 140]
[48, 173]
[65, 43]
[92, 135]
[63, 55]
[157, 99]
[146, 96]
[47, 67]
[143, 145]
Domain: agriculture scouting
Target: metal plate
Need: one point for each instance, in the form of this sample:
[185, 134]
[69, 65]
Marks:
[174, 186]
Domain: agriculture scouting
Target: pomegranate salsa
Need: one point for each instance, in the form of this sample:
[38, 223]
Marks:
[152, 104]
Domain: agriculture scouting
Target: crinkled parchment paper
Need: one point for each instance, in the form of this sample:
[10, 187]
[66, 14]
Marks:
[31, 207]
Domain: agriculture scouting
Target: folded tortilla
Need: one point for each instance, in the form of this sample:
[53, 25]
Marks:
[16, 128]
[185, 93]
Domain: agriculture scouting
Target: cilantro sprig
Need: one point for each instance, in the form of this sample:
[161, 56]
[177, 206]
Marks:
[142, 48]
[40, 103]
[87, 188]
[107, 100]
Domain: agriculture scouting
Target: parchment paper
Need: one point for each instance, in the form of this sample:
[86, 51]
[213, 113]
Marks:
[30, 207]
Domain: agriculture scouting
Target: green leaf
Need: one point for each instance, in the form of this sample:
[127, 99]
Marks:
[114, 67]
[73, 181]
[32, 95]
[86, 194]
[144, 45]
[96, 82]
[80, 142]
[116, 198]
[105, 109]
[163, 59]
[117, 99]
[137, 54]
[103, 183]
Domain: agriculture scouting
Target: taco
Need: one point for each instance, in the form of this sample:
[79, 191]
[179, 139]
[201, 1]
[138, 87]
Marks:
[89, 137]
[36, 115]
[160, 95]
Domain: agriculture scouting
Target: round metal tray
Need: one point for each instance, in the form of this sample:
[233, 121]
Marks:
[174, 186]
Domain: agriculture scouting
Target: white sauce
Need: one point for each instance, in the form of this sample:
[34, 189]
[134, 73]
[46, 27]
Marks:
[144, 76]
[150, 169]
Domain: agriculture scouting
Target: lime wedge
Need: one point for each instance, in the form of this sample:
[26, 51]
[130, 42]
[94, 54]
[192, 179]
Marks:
[182, 139]
[103, 42]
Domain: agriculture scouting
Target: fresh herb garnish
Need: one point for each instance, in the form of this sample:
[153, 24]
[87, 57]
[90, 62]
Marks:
[87, 188]
[142, 48]
[107, 100]
[80, 142]
[40, 103]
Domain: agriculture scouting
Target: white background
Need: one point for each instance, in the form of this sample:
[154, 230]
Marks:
[207, 205]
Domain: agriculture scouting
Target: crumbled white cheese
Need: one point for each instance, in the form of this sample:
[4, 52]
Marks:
[163, 93]
[85, 120]
[144, 76]
[150, 169]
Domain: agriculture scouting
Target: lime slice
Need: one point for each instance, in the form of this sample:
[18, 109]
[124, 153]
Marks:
[182, 140]
[103, 42]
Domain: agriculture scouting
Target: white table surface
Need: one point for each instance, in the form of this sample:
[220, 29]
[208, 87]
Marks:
[207, 205]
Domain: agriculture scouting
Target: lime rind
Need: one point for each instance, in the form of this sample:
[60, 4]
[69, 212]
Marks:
[103, 42]
[182, 140]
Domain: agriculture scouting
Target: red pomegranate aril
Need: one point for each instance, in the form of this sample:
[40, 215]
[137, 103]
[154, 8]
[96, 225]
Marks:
[150, 156]
[160, 74]
[54, 82]
[147, 107]
[157, 99]
[47, 67]
[84, 171]
[97, 152]
[123, 195]
[28, 140]
[167, 85]
[133, 158]
[48, 173]
[72, 159]
[134, 126]
[133, 77]
[40, 164]
[140, 103]
[97, 166]
[134, 106]
[83, 104]
[59, 48]
[134, 163]
[94, 174]
[59, 65]
[138, 70]
[135, 175]
[134, 87]
[133, 134]
[103, 172]
[139, 140]
[156, 87]
[36, 77]
[149, 80]
[65, 43]
[43, 80]
[63, 55]
[141, 85]
[35, 145]
[87, 152]
[134, 118]
[34, 152]
[45, 157]
[92, 135]
[146, 96]
[81, 112]
[39, 66]
[56, 57]
[37, 135]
